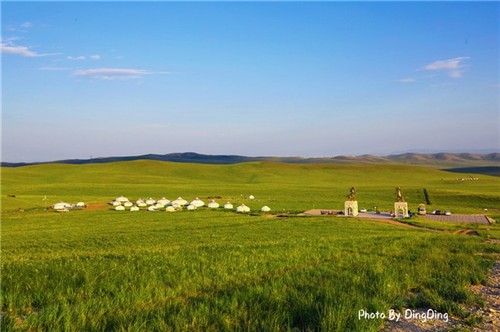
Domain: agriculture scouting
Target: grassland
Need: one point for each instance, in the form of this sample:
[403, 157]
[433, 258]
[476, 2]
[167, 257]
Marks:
[281, 186]
[215, 270]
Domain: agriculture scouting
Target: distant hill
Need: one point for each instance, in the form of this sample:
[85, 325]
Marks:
[437, 159]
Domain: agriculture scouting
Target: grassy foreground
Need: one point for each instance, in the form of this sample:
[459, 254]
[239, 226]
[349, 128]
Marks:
[221, 271]
[215, 270]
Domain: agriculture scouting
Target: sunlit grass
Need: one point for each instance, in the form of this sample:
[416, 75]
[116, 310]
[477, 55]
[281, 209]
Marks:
[217, 270]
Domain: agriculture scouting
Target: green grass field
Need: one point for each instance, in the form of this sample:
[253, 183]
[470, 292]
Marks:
[215, 270]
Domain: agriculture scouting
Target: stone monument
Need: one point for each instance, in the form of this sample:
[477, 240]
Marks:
[351, 205]
[400, 206]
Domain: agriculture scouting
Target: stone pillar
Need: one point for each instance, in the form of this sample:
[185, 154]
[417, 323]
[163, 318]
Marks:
[401, 206]
[352, 206]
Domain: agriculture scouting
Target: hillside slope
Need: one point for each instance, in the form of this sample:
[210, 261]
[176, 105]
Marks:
[438, 159]
[282, 186]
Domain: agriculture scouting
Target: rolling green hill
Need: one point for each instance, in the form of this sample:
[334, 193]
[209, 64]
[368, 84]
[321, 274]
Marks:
[94, 270]
[291, 187]
[436, 159]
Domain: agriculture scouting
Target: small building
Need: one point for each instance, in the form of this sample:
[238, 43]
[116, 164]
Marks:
[243, 208]
[180, 201]
[213, 205]
[197, 202]
[265, 208]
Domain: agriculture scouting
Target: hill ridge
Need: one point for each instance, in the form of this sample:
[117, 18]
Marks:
[437, 159]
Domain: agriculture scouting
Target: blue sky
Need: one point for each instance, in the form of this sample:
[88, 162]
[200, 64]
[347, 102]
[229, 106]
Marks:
[281, 78]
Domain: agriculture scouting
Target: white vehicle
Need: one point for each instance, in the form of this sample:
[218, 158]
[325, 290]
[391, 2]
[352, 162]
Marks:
[363, 210]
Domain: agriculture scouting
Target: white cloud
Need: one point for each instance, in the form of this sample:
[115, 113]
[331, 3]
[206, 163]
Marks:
[453, 67]
[23, 27]
[111, 73]
[81, 57]
[22, 51]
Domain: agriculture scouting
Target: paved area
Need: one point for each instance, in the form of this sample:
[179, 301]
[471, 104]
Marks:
[326, 212]
[467, 218]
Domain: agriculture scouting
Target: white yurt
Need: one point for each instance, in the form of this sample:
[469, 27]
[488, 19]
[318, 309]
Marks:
[121, 199]
[242, 208]
[191, 207]
[228, 206]
[127, 204]
[61, 206]
[198, 202]
[265, 208]
[180, 201]
[142, 204]
[150, 201]
[134, 208]
[251, 197]
[163, 201]
[213, 205]
[152, 208]
[120, 208]
[81, 205]
[140, 200]
[170, 209]
[117, 203]
[159, 205]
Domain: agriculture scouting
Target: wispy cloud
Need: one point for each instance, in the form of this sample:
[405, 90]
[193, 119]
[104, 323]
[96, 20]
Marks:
[8, 46]
[22, 51]
[112, 73]
[26, 25]
[23, 27]
[83, 57]
[76, 58]
[454, 68]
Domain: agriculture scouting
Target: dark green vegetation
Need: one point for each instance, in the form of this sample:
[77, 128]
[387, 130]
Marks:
[485, 170]
[215, 270]
[437, 159]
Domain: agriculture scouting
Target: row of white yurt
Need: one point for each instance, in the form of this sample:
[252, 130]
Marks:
[171, 208]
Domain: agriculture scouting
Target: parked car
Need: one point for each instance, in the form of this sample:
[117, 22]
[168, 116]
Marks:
[363, 210]
[447, 213]
[436, 212]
